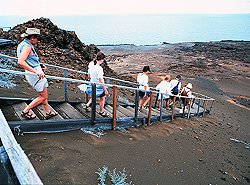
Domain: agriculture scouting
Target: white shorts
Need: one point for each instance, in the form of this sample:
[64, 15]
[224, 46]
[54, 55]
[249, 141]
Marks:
[37, 83]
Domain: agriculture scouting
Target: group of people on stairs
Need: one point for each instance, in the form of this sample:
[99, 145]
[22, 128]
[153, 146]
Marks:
[167, 89]
[29, 60]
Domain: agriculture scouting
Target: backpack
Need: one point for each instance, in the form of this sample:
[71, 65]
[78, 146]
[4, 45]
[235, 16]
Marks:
[175, 89]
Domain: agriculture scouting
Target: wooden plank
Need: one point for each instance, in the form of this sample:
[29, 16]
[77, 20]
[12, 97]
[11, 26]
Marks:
[18, 107]
[68, 111]
[10, 113]
[41, 113]
[110, 109]
[140, 114]
[81, 108]
[23, 168]
[125, 111]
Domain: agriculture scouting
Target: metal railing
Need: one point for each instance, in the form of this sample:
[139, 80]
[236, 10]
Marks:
[202, 101]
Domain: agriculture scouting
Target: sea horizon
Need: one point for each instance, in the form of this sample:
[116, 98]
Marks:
[149, 29]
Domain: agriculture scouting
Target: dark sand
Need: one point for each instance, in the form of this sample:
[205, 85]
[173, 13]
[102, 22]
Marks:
[187, 151]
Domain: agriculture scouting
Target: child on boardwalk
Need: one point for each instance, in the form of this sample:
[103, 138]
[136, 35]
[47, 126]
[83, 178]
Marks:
[142, 79]
[164, 88]
[186, 91]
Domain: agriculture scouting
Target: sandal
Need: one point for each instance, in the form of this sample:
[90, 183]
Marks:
[103, 114]
[28, 115]
[50, 114]
[87, 108]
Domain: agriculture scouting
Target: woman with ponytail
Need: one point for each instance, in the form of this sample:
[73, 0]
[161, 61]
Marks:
[96, 76]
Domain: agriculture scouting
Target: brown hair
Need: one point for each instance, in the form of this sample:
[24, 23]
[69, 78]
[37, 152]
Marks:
[167, 78]
[99, 56]
[145, 69]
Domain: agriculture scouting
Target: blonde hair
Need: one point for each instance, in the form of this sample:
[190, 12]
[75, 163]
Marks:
[166, 78]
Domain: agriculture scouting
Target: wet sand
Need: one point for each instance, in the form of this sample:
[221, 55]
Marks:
[186, 151]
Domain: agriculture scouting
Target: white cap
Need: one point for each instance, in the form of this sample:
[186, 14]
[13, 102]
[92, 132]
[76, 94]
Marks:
[31, 31]
[189, 85]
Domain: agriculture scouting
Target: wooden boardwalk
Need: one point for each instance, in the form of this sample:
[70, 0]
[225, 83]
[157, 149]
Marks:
[72, 115]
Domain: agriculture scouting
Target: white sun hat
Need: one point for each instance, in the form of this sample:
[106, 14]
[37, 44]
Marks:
[31, 31]
[189, 85]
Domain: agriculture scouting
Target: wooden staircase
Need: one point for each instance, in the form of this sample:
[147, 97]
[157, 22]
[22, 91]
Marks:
[72, 115]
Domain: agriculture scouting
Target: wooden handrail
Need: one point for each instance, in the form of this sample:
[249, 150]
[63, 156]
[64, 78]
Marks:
[23, 168]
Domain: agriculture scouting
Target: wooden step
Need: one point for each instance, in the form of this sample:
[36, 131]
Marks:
[118, 113]
[81, 108]
[18, 108]
[125, 111]
[67, 111]
[41, 113]
[9, 113]
[140, 114]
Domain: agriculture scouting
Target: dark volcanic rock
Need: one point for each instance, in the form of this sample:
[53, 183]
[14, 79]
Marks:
[225, 50]
[57, 46]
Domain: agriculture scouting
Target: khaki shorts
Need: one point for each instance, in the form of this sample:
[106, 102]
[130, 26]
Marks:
[37, 83]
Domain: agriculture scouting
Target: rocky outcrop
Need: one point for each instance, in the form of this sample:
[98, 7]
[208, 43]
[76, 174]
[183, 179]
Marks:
[57, 46]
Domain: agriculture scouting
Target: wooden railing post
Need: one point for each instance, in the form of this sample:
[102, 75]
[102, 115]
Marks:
[205, 106]
[172, 118]
[66, 94]
[136, 104]
[161, 106]
[93, 106]
[107, 97]
[157, 96]
[198, 109]
[115, 95]
[150, 107]
[184, 107]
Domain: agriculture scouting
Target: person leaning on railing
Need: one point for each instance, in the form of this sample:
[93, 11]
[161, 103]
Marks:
[29, 60]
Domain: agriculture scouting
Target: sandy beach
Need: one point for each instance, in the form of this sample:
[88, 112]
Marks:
[187, 151]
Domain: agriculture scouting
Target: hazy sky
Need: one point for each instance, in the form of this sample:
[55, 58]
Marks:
[36, 8]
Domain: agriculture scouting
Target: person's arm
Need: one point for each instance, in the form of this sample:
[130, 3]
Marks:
[101, 80]
[21, 61]
[104, 88]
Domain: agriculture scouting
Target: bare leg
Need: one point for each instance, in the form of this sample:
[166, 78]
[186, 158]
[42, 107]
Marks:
[167, 104]
[101, 103]
[140, 102]
[146, 102]
[89, 102]
[43, 96]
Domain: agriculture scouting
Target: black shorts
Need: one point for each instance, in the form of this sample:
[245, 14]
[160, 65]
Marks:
[176, 99]
[142, 94]
[101, 95]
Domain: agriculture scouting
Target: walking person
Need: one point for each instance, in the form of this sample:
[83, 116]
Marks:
[176, 85]
[96, 76]
[29, 60]
[164, 89]
[142, 79]
[186, 91]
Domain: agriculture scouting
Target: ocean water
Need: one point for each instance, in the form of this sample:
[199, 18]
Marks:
[150, 29]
